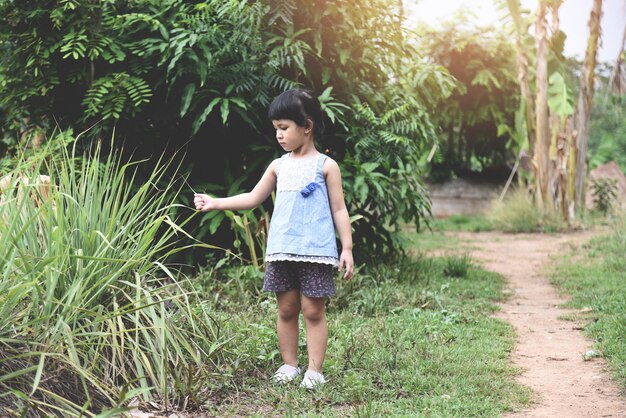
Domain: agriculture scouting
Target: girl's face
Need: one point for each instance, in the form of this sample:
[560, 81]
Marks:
[290, 135]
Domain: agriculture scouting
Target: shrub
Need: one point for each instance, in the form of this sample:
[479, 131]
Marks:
[604, 193]
[90, 315]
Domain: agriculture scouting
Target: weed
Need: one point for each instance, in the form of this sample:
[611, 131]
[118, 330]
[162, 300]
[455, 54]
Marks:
[457, 265]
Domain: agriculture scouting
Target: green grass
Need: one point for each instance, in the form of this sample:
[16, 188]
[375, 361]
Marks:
[411, 339]
[441, 237]
[470, 223]
[594, 276]
[427, 241]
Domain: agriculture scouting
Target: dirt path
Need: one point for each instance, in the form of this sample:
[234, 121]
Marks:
[549, 349]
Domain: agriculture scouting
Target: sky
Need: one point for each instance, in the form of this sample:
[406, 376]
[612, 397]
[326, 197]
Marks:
[574, 15]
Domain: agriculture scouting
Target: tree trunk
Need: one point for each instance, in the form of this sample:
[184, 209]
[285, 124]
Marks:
[617, 80]
[571, 168]
[559, 150]
[542, 124]
[585, 99]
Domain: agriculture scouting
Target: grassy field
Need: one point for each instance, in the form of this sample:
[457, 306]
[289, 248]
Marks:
[411, 339]
[471, 223]
[594, 277]
[437, 239]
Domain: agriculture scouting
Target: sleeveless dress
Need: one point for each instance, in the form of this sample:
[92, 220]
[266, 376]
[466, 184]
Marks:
[301, 226]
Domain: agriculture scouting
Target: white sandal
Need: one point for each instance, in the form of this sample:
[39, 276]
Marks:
[312, 379]
[286, 373]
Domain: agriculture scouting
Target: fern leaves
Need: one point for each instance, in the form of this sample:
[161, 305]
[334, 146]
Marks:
[112, 95]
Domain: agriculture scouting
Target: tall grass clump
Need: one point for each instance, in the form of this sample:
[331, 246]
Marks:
[91, 317]
[517, 212]
[457, 265]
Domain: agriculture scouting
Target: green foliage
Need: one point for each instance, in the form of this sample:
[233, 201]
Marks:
[382, 175]
[203, 49]
[200, 74]
[560, 98]
[607, 127]
[115, 94]
[91, 316]
[604, 192]
[485, 96]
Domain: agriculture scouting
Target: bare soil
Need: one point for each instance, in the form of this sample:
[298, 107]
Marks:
[550, 350]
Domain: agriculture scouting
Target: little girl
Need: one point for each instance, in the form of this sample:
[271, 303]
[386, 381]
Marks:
[301, 251]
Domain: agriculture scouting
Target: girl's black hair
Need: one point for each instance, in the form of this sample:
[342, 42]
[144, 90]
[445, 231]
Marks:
[298, 105]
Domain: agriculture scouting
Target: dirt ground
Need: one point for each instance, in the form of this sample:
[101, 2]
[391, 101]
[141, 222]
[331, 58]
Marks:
[549, 349]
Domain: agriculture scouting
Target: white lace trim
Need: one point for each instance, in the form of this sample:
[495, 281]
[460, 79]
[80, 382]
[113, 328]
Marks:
[296, 173]
[305, 258]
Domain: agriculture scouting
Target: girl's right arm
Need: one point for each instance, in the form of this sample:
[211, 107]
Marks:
[243, 201]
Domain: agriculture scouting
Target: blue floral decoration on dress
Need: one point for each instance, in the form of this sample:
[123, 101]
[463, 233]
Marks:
[308, 189]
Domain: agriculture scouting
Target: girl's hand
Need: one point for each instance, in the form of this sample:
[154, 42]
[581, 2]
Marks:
[346, 261]
[203, 202]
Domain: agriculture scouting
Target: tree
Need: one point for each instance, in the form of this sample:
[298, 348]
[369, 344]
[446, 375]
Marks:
[585, 100]
[559, 139]
[484, 97]
[542, 128]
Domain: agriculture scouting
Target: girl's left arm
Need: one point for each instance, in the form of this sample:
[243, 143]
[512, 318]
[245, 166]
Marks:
[340, 215]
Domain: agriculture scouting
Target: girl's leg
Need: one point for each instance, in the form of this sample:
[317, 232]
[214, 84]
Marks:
[314, 310]
[287, 325]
